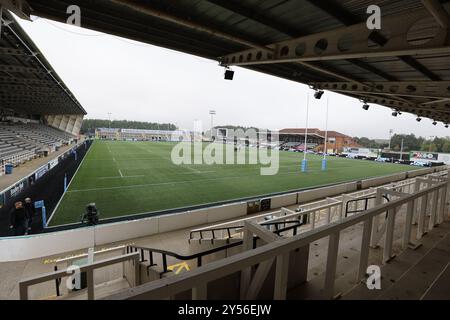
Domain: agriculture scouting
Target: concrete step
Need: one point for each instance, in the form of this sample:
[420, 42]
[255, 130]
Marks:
[414, 274]
[100, 291]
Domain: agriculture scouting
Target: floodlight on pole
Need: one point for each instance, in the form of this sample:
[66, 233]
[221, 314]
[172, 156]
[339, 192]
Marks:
[325, 150]
[305, 148]
[212, 113]
[391, 131]
[401, 150]
[109, 116]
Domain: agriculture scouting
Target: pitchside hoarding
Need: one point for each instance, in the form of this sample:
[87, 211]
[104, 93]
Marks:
[13, 191]
[430, 156]
[423, 156]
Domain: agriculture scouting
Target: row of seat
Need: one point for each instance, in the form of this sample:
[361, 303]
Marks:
[22, 142]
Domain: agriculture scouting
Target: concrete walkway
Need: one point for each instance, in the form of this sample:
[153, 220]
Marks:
[413, 274]
[418, 274]
[28, 167]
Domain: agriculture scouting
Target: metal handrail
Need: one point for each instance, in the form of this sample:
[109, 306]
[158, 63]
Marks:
[88, 268]
[199, 278]
[366, 204]
[228, 229]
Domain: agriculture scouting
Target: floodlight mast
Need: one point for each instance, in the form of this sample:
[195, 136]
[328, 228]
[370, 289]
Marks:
[326, 130]
[401, 150]
[306, 129]
[304, 166]
[212, 114]
[325, 146]
[109, 116]
[391, 131]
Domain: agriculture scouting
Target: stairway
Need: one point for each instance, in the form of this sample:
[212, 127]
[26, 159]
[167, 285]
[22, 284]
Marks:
[419, 274]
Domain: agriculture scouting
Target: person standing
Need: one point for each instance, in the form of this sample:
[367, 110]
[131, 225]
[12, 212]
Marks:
[19, 219]
[30, 211]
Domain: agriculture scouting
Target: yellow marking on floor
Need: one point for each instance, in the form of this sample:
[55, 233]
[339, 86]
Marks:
[179, 267]
[55, 260]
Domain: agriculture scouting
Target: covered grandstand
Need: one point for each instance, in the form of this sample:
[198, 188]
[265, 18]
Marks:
[325, 44]
[38, 113]
[335, 141]
[140, 134]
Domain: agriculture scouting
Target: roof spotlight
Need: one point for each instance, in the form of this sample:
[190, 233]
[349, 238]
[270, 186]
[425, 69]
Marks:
[434, 123]
[395, 113]
[318, 94]
[419, 119]
[446, 126]
[366, 106]
[229, 74]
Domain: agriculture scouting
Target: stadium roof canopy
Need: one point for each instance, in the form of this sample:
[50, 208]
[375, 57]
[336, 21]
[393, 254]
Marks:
[28, 83]
[325, 44]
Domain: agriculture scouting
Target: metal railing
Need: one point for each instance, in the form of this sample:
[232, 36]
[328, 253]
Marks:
[358, 201]
[198, 279]
[335, 208]
[88, 268]
[227, 230]
[68, 261]
[149, 252]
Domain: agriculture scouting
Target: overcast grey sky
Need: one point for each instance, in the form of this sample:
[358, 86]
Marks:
[136, 81]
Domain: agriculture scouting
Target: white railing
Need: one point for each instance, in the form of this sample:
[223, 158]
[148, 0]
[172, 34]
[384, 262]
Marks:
[279, 249]
[16, 159]
[317, 213]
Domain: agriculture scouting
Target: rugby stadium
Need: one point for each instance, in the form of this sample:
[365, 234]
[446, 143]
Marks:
[227, 212]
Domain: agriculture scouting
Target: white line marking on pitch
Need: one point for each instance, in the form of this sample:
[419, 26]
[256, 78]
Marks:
[120, 172]
[198, 172]
[121, 177]
[180, 182]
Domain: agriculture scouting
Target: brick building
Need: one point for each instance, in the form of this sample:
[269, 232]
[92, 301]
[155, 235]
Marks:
[316, 139]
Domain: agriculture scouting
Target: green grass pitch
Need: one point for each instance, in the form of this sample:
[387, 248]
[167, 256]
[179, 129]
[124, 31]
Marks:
[125, 178]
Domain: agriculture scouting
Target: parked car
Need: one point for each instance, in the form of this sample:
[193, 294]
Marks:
[422, 164]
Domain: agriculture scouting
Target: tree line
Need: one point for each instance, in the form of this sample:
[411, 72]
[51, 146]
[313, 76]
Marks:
[89, 125]
[410, 143]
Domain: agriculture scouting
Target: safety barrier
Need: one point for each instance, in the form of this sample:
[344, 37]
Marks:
[313, 214]
[293, 226]
[42, 245]
[45, 183]
[88, 268]
[16, 160]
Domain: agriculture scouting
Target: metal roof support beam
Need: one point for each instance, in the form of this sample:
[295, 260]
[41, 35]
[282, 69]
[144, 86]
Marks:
[19, 7]
[423, 89]
[438, 12]
[293, 33]
[436, 111]
[187, 23]
[260, 17]
[413, 63]
[334, 9]
[350, 42]
[1, 20]
[9, 68]
[44, 67]
[198, 27]
[26, 88]
[387, 102]
[15, 80]
[10, 51]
